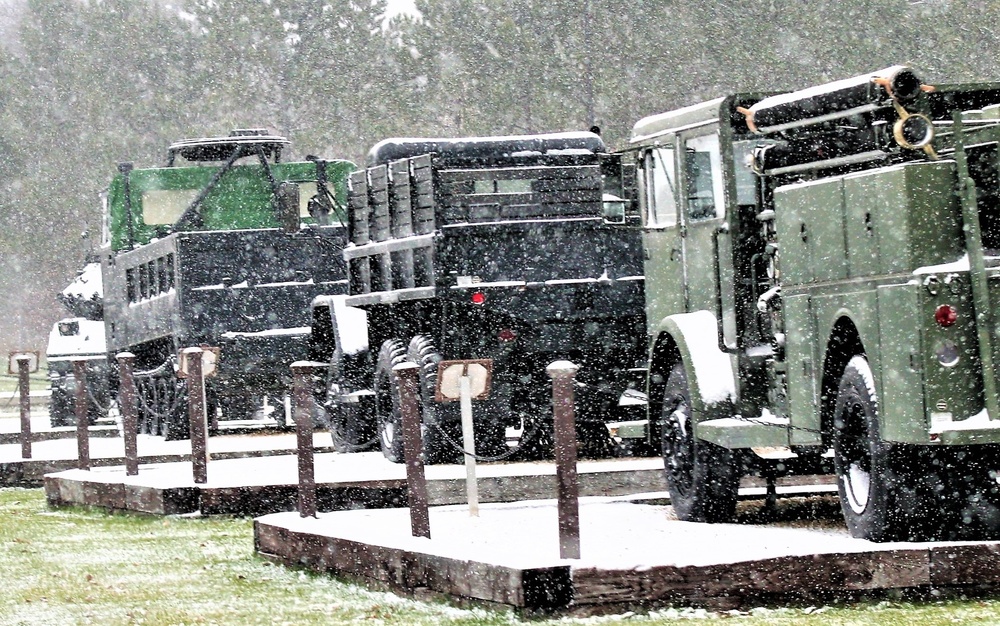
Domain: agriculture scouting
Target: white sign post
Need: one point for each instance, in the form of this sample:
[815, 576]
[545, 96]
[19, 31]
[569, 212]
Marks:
[469, 441]
[465, 381]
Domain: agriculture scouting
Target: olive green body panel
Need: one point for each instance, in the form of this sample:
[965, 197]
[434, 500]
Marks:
[699, 265]
[902, 218]
[810, 231]
[899, 369]
[240, 199]
[664, 275]
[801, 369]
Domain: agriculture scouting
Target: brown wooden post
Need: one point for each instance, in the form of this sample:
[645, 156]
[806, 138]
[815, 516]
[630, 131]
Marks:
[406, 375]
[196, 415]
[82, 425]
[563, 375]
[127, 399]
[24, 384]
[302, 372]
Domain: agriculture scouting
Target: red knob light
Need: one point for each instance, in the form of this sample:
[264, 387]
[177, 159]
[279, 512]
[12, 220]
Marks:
[946, 315]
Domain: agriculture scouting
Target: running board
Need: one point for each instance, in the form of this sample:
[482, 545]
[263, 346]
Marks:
[731, 432]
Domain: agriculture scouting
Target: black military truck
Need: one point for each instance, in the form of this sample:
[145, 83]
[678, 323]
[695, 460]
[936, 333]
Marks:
[226, 246]
[822, 282]
[505, 248]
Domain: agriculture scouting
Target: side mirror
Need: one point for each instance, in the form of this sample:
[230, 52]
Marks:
[287, 201]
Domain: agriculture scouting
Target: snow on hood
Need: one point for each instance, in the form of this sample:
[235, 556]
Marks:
[87, 285]
[88, 341]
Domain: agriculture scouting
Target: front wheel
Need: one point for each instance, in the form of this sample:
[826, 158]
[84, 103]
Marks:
[701, 477]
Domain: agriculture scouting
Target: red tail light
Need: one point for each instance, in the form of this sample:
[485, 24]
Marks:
[478, 297]
[946, 315]
[506, 335]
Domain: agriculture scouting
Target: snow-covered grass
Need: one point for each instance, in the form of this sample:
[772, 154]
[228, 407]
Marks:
[74, 566]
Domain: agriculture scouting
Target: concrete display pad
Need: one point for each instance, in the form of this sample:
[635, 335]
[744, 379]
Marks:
[633, 555]
[107, 453]
[259, 485]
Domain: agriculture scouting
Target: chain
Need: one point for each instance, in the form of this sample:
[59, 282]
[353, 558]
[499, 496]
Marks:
[141, 388]
[15, 393]
[525, 437]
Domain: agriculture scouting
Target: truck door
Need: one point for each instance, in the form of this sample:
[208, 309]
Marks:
[703, 211]
[661, 237]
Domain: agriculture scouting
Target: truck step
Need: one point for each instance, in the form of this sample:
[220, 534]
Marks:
[736, 432]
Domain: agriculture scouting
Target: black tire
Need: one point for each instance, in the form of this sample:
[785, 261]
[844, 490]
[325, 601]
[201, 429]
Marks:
[352, 425]
[888, 492]
[61, 408]
[440, 421]
[701, 477]
[863, 462]
[895, 492]
[537, 437]
[594, 441]
[388, 413]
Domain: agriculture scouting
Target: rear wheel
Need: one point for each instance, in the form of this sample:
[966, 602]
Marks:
[351, 426]
[440, 423]
[388, 412]
[895, 492]
[61, 408]
[701, 476]
[863, 462]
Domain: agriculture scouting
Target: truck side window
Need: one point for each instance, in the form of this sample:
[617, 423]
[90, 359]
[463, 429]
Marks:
[661, 207]
[703, 170]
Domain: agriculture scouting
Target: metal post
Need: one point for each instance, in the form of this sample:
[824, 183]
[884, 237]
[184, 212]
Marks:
[469, 443]
[563, 375]
[130, 412]
[302, 372]
[196, 415]
[82, 427]
[24, 384]
[407, 373]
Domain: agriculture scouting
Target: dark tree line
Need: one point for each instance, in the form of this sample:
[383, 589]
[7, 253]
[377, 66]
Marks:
[86, 84]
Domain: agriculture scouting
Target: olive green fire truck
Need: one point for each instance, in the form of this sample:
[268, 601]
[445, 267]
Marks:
[822, 271]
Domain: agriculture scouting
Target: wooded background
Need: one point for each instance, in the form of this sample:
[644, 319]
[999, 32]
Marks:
[86, 84]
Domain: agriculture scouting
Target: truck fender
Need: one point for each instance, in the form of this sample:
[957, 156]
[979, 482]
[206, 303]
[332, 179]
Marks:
[339, 331]
[710, 371]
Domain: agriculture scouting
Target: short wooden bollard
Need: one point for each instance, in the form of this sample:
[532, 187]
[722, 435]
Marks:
[563, 375]
[406, 373]
[127, 399]
[80, 406]
[302, 373]
[197, 415]
[24, 384]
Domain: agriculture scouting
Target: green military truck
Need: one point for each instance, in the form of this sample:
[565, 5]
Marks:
[225, 246]
[501, 248]
[822, 269]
